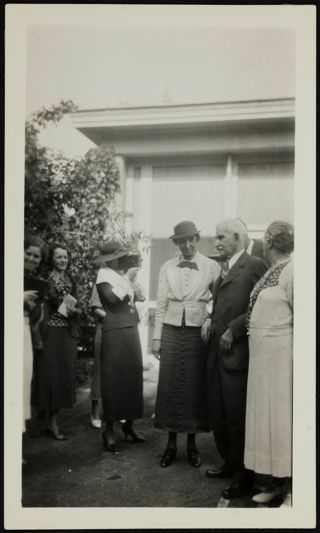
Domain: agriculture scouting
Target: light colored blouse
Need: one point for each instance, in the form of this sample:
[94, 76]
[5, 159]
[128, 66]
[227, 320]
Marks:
[121, 286]
[184, 290]
[272, 313]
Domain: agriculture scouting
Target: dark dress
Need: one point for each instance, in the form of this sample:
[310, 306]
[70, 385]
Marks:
[121, 358]
[181, 404]
[57, 361]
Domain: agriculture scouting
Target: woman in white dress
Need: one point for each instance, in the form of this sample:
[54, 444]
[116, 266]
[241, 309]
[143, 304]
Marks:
[268, 441]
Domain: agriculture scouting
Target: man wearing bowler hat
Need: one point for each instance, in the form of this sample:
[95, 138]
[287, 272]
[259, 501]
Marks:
[183, 292]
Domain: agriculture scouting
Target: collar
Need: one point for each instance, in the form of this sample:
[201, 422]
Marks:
[234, 258]
[249, 249]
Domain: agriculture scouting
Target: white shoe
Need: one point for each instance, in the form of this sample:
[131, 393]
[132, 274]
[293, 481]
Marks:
[95, 422]
[287, 502]
[265, 497]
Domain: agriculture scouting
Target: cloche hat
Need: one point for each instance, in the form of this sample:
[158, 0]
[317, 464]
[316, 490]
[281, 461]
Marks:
[111, 250]
[184, 229]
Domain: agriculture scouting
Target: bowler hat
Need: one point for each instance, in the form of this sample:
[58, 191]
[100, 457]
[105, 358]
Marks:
[111, 250]
[184, 229]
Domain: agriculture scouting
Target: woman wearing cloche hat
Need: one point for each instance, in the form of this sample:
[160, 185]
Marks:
[121, 357]
[183, 292]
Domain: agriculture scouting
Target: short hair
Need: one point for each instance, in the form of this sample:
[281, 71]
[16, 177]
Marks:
[243, 223]
[54, 246]
[36, 240]
[280, 235]
[235, 225]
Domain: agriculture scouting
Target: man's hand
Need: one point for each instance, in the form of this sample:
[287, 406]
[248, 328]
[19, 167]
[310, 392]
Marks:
[205, 330]
[226, 341]
[156, 346]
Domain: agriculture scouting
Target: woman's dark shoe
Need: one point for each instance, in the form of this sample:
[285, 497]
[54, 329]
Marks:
[193, 457]
[129, 431]
[55, 434]
[240, 486]
[109, 444]
[168, 457]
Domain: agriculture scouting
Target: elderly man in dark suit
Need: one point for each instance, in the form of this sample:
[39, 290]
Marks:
[227, 367]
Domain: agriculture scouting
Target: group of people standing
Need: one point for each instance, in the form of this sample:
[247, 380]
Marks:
[229, 368]
[222, 333]
[51, 332]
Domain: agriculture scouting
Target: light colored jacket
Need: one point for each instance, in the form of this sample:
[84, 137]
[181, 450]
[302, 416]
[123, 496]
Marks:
[173, 297]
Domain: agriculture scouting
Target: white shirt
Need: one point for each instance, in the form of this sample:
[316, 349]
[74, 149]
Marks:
[120, 284]
[232, 261]
[184, 290]
[249, 249]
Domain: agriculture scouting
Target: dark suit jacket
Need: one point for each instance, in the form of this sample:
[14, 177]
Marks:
[230, 304]
[257, 249]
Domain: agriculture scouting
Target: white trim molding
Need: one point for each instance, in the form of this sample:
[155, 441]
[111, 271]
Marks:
[281, 108]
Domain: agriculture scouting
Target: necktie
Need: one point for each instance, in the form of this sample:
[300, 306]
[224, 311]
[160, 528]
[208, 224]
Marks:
[225, 268]
[188, 264]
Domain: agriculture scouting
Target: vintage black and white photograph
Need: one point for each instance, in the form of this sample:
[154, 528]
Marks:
[164, 159]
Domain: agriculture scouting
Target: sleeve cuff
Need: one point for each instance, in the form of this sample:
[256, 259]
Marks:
[157, 332]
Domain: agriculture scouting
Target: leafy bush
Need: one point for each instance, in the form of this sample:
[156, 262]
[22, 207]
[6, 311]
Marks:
[73, 201]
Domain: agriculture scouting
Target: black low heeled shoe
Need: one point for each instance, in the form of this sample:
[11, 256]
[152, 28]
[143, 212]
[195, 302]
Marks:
[109, 446]
[168, 457]
[129, 431]
[193, 457]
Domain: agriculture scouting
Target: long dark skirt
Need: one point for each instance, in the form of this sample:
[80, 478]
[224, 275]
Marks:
[56, 370]
[121, 374]
[181, 403]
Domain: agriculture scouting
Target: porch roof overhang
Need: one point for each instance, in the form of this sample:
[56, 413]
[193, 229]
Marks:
[247, 125]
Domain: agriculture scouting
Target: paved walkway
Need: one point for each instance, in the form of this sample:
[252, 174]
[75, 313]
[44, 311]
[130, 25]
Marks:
[80, 473]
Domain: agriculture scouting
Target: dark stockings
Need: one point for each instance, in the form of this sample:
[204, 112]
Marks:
[172, 441]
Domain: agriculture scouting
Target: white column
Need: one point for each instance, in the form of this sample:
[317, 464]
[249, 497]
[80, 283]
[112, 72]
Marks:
[121, 164]
[145, 194]
[231, 188]
[128, 199]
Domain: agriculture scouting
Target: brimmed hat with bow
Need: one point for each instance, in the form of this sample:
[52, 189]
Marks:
[184, 229]
[111, 250]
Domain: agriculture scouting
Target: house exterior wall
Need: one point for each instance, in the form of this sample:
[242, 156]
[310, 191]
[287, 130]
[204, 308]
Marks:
[200, 163]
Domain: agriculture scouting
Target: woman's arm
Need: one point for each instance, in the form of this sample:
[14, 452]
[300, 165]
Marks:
[106, 294]
[100, 313]
[162, 303]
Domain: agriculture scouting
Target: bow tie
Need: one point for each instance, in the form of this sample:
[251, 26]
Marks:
[188, 264]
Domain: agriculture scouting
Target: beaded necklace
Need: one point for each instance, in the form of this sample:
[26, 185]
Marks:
[270, 279]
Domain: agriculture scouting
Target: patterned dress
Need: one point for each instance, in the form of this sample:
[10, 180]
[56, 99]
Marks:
[57, 363]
